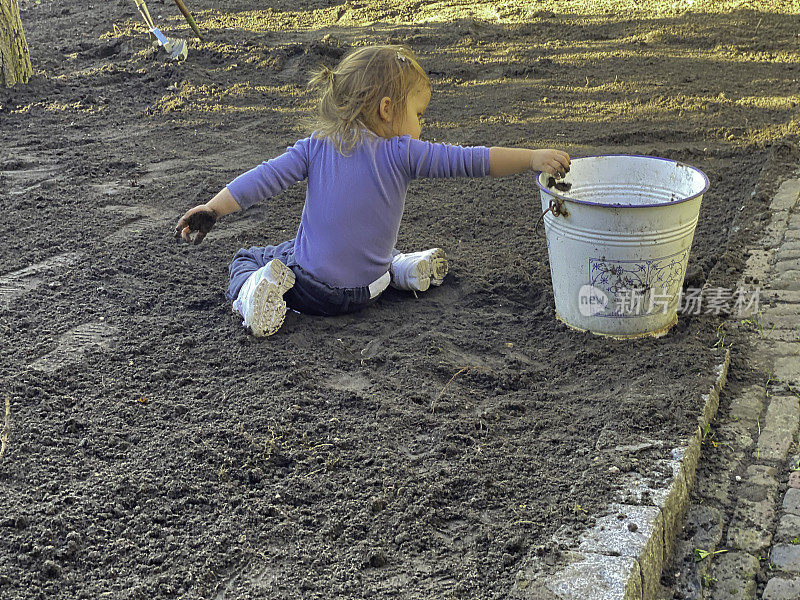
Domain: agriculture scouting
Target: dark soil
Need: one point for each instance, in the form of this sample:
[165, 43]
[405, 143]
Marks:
[561, 186]
[420, 448]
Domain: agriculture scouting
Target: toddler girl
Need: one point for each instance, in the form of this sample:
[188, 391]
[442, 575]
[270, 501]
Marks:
[363, 153]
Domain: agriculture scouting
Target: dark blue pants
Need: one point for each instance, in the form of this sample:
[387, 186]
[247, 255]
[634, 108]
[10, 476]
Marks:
[309, 295]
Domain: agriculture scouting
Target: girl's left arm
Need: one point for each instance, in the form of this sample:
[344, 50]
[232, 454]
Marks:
[429, 159]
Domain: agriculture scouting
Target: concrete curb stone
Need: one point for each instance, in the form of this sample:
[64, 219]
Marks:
[780, 427]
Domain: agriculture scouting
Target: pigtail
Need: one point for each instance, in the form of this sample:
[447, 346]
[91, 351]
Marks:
[323, 79]
[328, 113]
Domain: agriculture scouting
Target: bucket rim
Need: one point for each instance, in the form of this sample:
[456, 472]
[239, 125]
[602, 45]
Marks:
[562, 197]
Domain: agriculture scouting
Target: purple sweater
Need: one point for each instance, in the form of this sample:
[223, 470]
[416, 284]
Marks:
[354, 203]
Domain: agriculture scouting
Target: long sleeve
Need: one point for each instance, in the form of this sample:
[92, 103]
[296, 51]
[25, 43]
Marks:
[271, 177]
[429, 159]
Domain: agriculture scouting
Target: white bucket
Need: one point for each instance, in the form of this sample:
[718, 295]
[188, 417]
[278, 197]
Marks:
[620, 242]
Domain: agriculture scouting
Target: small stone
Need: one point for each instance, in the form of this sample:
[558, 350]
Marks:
[377, 504]
[706, 523]
[633, 527]
[794, 479]
[788, 529]
[780, 426]
[735, 573]
[788, 368]
[762, 476]
[401, 538]
[786, 557]
[782, 589]
[51, 569]
[73, 537]
[376, 558]
[714, 486]
[791, 501]
[746, 408]
[255, 475]
[750, 527]
[746, 537]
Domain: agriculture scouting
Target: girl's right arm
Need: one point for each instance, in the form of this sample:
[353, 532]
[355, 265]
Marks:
[201, 219]
[223, 203]
[265, 180]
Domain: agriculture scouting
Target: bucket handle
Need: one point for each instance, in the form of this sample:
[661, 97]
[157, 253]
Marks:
[556, 208]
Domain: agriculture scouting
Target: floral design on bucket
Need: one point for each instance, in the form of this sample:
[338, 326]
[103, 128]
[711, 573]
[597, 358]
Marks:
[638, 288]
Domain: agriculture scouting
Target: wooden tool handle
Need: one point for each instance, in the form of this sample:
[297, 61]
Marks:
[145, 13]
[189, 18]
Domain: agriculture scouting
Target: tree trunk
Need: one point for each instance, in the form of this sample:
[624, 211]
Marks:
[15, 60]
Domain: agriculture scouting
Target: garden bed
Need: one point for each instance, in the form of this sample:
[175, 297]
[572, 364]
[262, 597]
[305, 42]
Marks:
[417, 449]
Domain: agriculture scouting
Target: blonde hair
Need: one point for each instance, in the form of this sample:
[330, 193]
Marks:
[349, 94]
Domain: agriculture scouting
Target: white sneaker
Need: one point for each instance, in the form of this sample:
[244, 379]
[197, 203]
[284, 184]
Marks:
[260, 300]
[417, 271]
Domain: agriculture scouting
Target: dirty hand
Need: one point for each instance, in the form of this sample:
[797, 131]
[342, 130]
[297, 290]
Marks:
[554, 162]
[200, 219]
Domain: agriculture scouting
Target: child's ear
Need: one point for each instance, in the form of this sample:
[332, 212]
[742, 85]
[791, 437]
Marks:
[385, 109]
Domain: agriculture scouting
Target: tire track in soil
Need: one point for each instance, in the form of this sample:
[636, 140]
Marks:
[25, 172]
[135, 220]
[20, 282]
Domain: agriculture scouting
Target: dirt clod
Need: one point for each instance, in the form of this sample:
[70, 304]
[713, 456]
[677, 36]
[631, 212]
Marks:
[561, 186]
[202, 221]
